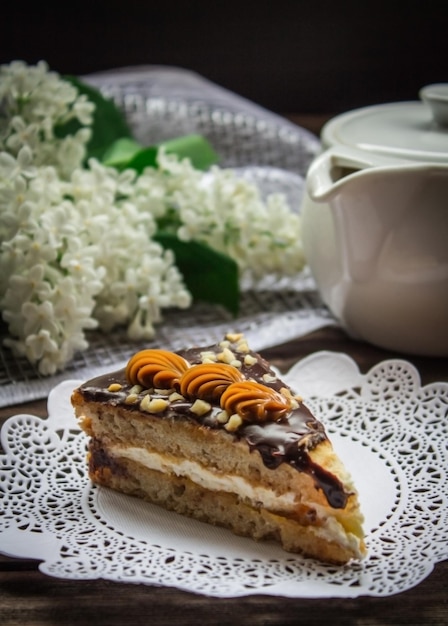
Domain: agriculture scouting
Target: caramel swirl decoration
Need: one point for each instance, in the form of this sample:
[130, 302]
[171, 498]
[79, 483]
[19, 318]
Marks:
[255, 402]
[156, 368]
[208, 381]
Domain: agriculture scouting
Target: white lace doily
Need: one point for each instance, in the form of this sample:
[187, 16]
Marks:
[390, 431]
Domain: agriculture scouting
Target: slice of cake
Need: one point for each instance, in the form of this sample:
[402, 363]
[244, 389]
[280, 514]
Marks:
[214, 434]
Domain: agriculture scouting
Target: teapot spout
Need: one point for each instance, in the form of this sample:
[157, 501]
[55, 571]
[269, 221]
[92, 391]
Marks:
[335, 168]
[379, 214]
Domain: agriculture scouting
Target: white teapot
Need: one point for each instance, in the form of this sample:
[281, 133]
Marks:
[375, 222]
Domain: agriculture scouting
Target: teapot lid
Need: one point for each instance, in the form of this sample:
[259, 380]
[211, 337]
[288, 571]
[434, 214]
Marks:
[417, 131]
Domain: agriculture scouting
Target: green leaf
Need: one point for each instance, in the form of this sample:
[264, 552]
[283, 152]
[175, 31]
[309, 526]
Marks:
[112, 141]
[209, 275]
[145, 157]
[194, 147]
[109, 122]
[120, 153]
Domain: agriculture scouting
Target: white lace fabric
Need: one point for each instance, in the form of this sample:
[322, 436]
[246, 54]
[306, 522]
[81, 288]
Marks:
[390, 431]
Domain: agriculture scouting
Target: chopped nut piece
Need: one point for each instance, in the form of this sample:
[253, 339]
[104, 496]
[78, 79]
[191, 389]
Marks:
[288, 394]
[236, 363]
[234, 423]
[114, 387]
[226, 356]
[163, 392]
[132, 398]
[153, 405]
[135, 389]
[144, 404]
[234, 337]
[224, 344]
[269, 378]
[294, 400]
[243, 346]
[200, 407]
[223, 417]
[157, 405]
[175, 396]
[208, 356]
[249, 360]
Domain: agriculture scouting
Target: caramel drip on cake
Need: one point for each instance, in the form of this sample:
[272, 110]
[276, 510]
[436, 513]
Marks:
[156, 368]
[208, 381]
[255, 402]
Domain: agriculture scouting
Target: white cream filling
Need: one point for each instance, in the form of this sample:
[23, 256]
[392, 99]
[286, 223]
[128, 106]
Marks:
[331, 530]
[207, 478]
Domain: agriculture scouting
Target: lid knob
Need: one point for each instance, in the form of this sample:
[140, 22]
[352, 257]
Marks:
[436, 96]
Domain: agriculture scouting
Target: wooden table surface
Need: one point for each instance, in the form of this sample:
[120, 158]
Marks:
[30, 598]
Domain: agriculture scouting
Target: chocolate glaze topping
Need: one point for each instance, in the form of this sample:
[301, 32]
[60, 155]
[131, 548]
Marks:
[286, 440]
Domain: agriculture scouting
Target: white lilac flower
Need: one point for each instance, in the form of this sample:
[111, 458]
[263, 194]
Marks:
[229, 214]
[76, 254]
[76, 242]
[33, 103]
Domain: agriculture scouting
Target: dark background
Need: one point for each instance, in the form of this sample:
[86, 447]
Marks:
[289, 56]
